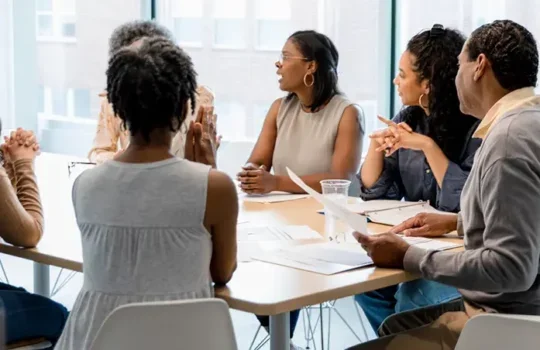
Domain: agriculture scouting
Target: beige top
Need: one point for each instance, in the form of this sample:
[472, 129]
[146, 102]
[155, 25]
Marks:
[305, 141]
[111, 136]
[20, 205]
[520, 98]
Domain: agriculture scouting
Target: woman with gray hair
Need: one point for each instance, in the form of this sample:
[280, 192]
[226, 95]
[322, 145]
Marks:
[111, 136]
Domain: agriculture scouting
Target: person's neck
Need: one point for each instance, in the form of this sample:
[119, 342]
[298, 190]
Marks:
[305, 96]
[140, 150]
[489, 98]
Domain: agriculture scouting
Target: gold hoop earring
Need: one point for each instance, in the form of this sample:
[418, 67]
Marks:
[312, 79]
[420, 102]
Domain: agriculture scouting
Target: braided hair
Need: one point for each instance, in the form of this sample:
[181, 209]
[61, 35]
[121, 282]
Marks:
[129, 32]
[150, 86]
[436, 54]
[511, 50]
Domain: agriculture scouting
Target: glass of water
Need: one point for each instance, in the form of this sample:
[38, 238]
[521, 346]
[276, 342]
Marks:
[338, 192]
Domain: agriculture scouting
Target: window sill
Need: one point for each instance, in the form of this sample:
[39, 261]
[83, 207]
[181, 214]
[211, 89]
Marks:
[229, 47]
[61, 118]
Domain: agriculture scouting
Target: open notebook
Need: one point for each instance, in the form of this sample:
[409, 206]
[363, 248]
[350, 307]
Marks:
[391, 212]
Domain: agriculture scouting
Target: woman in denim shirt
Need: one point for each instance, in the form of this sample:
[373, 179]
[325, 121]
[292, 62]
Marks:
[431, 161]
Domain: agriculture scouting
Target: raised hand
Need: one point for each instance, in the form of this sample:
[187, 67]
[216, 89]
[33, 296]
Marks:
[201, 139]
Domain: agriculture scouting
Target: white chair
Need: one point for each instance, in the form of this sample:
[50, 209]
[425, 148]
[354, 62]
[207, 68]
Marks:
[189, 324]
[500, 332]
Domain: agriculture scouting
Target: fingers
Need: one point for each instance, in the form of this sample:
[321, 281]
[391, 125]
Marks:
[200, 115]
[386, 121]
[417, 232]
[405, 126]
[407, 224]
[362, 238]
[189, 153]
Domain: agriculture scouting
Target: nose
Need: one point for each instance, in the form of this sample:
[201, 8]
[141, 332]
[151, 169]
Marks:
[278, 64]
[395, 81]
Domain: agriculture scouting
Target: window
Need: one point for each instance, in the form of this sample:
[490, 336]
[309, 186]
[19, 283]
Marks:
[244, 79]
[81, 103]
[229, 24]
[273, 23]
[55, 19]
[188, 22]
[464, 15]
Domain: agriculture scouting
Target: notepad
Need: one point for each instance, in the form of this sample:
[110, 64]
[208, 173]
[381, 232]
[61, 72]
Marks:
[391, 212]
[272, 197]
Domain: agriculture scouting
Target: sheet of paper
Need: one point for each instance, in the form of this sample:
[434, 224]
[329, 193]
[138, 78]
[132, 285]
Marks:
[397, 216]
[269, 233]
[324, 258]
[355, 221]
[246, 249]
[379, 204]
[272, 197]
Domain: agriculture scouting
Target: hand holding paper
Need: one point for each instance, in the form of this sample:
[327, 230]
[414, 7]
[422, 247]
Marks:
[357, 222]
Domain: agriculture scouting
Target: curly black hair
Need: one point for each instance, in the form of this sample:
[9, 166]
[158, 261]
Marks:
[151, 86]
[129, 32]
[435, 54]
[318, 47]
[511, 50]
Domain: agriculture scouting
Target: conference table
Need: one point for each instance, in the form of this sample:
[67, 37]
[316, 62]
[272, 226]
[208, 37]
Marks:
[257, 287]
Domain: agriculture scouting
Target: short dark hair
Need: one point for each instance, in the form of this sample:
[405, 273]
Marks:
[129, 32]
[436, 59]
[318, 47]
[150, 86]
[511, 50]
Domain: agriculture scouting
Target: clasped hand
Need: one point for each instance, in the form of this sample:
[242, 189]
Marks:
[21, 144]
[202, 141]
[398, 135]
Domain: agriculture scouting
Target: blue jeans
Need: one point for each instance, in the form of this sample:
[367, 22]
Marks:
[29, 316]
[265, 321]
[384, 302]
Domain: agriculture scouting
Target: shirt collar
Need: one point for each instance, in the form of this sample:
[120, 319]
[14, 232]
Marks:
[515, 99]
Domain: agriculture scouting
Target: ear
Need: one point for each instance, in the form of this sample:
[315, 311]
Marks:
[481, 67]
[312, 67]
[425, 86]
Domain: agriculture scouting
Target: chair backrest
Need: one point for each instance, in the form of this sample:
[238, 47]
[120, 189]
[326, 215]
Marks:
[500, 332]
[189, 324]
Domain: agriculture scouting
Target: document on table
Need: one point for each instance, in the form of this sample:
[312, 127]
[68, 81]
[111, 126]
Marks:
[276, 233]
[272, 197]
[355, 221]
[248, 238]
[390, 212]
[329, 258]
[325, 258]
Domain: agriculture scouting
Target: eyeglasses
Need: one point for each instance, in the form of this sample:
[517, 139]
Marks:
[72, 165]
[282, 58]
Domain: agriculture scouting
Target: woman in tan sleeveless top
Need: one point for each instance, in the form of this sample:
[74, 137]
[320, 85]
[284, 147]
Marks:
[315, 130]
[111, 136]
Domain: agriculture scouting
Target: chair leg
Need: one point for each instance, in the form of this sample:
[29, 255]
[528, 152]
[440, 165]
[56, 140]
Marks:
[255, 337]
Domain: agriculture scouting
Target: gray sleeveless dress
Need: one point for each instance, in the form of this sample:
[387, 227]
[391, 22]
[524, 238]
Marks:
[305, 141]
[143, 240]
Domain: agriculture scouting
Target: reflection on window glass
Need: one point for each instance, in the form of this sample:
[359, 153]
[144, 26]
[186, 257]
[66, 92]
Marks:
[230, 33]
[44, 5]
[45, 25]
[188, 30]
[59, 101]
[272, 34]
[81, 103]
[68, 29]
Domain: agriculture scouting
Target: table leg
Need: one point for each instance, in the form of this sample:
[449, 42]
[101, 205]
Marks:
[42, 280]
[279, 332]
